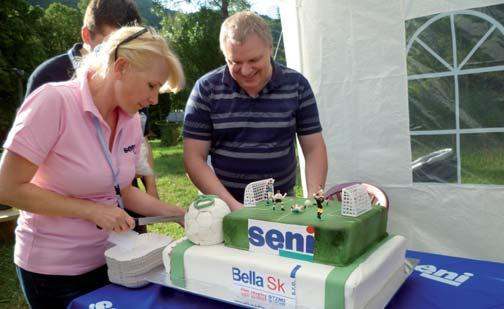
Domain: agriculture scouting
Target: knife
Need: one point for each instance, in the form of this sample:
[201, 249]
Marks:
[157, 219]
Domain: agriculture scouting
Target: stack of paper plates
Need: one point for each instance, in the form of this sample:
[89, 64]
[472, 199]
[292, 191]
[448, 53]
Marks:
[127, 265]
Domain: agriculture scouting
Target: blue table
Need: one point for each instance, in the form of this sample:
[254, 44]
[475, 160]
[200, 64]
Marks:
[438, 282]
[449, 282]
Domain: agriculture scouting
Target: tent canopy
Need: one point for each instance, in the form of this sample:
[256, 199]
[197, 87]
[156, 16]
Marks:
[404, 80]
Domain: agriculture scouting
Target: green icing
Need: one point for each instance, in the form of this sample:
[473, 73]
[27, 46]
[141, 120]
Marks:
[177, 263]
[203, 201]
[335, 281]
[339, 240]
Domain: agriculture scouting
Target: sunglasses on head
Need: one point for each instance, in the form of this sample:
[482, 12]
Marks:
[129, 39]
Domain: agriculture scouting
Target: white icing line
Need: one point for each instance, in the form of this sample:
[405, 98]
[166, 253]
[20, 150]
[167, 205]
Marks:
[287, 214]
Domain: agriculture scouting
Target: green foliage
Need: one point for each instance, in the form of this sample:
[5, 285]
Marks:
[61, 28]
[21, 49]
[46, 3]
[276, 32]
[28, 36]
[225, 7]
[170, 134]
[145, 7]
[195, 39]
[81, 6]
[158, 113]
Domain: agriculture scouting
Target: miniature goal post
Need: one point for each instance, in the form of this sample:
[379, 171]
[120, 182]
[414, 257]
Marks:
[355, 201]
[258, 191]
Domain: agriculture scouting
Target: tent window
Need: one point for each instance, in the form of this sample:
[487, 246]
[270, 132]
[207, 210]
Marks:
[455, 64]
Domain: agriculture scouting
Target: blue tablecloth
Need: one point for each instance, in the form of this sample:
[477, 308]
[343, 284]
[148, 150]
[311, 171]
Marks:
[449, 282]
[437, 282]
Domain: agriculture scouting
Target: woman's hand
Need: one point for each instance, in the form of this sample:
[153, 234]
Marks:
[112, 218]
[177, 210]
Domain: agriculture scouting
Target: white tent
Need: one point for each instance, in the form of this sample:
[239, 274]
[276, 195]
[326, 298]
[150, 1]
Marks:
[355, 55]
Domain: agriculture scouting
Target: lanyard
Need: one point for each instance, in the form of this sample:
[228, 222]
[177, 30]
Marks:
[106, 153]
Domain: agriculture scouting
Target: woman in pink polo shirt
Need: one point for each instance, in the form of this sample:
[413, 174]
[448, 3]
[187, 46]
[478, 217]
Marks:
[69, 161]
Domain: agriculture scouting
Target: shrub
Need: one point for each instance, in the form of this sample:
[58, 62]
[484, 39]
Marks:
[170, 134]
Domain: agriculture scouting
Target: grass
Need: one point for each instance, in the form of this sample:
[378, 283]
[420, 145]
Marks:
[10, 292]
[481, 155]
[173, 187]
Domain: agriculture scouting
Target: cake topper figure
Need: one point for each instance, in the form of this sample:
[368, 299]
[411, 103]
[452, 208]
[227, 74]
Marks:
[269, 193]
[308, 203]
[319, 198]
[278, 199]
[296, 208]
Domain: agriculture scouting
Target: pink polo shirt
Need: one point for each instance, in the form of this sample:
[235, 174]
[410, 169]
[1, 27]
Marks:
[54, 129]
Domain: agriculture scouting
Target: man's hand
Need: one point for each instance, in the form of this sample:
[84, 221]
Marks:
[235, 205]
[315, 153]
[201, 175]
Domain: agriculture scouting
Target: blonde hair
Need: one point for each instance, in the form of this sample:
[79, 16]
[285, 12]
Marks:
[239, 26]
[139, 52]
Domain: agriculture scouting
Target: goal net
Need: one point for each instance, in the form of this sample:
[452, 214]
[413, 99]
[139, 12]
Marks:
[258, 191]
[355, 201]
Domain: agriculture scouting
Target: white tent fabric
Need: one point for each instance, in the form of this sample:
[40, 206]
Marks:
[353, 52]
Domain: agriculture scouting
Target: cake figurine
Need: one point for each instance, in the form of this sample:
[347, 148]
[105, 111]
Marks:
[278, 199]
[308, 203]
[296, 208]
[319, 198]
[269, 194]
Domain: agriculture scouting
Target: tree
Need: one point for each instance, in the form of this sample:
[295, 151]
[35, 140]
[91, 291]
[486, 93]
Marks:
[21, 49]
[224, 6]
[82, 6]
[276, 32]
[61, 28]
[195, 39]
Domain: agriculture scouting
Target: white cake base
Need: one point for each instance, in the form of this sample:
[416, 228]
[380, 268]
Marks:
[258, 280]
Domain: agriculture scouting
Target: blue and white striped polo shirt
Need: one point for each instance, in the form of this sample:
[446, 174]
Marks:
[252, 138]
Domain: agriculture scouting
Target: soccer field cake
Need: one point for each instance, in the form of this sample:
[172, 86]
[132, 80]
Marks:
[334, 239]
[288, 252]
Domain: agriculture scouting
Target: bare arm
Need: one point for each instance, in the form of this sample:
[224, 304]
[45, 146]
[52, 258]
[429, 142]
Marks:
[149, 181]
[201, 175]
[315, 153]
[147, 205]
[16, 190]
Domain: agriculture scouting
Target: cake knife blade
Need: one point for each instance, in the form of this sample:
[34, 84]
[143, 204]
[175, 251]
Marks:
[157, 219]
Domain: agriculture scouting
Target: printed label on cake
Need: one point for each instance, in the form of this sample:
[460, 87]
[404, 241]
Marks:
[288, 240]
[263, 290]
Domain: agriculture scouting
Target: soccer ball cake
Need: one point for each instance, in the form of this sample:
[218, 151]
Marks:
[203, 220]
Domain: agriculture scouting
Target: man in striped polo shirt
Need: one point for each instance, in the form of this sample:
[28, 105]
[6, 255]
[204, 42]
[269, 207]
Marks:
[246, 116]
